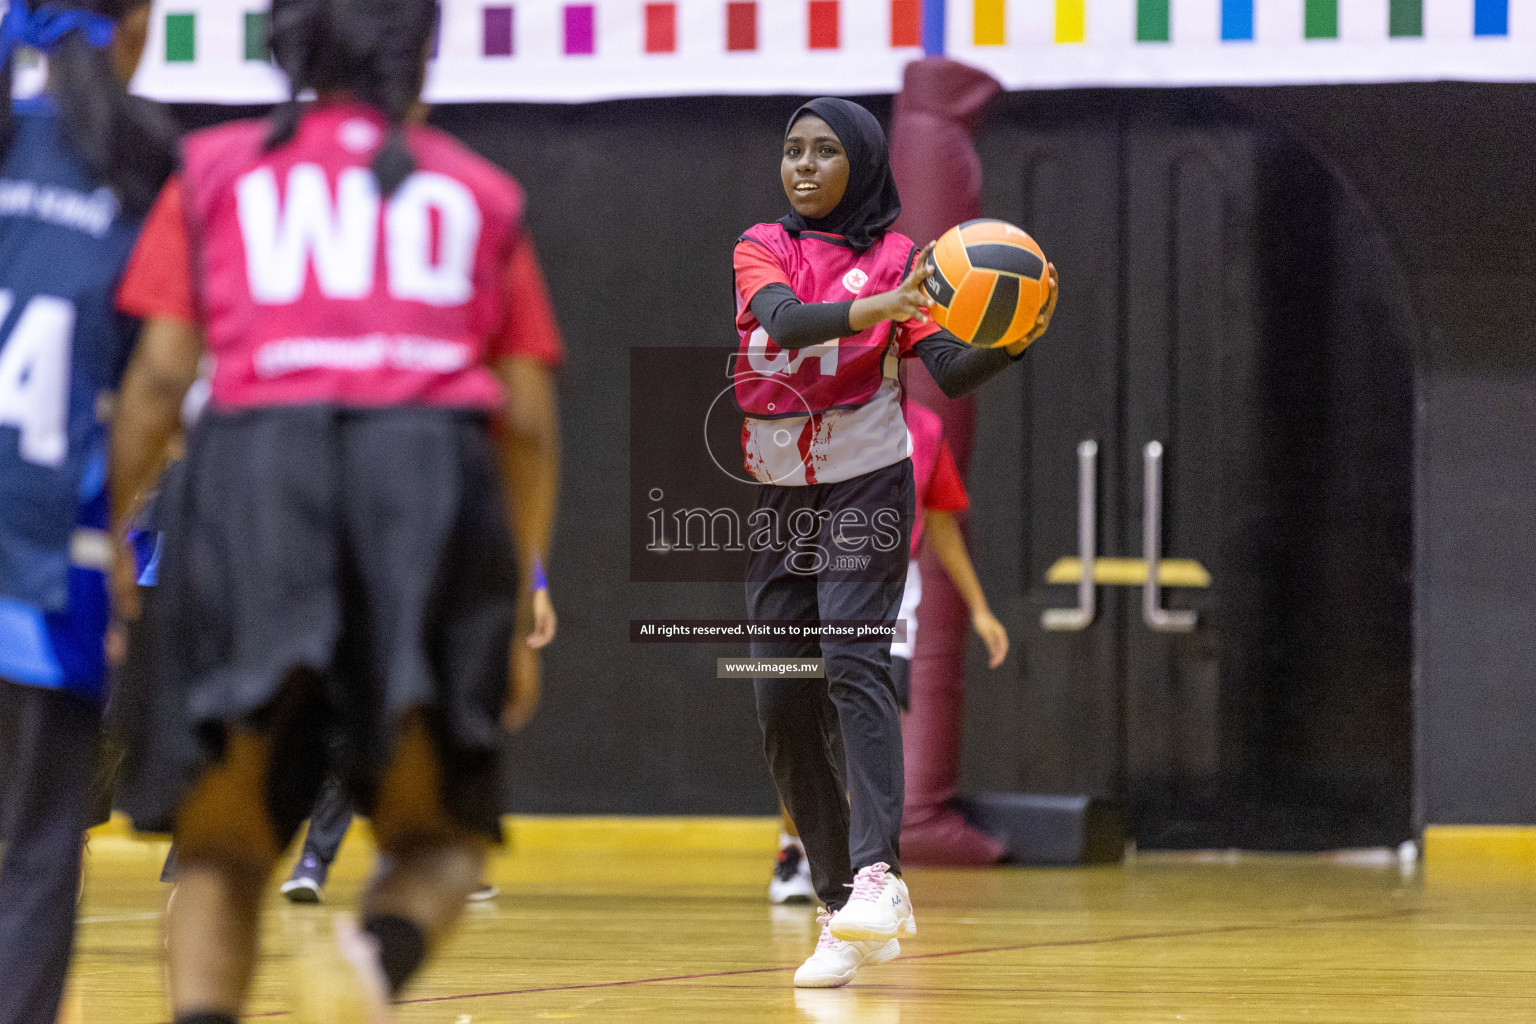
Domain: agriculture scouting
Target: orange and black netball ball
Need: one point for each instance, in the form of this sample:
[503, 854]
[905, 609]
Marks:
[989, 282]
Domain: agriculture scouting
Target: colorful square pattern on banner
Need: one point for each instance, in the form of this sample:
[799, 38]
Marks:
[551, 50]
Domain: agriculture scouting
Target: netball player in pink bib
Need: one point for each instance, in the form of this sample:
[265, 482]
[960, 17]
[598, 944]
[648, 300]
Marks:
[339, 585]
[829, 302]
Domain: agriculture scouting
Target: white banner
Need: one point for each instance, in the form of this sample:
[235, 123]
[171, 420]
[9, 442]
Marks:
[1279, 42]
[565, 50]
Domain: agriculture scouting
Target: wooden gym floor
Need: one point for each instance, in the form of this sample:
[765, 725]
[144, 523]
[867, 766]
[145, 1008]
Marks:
[604, 929]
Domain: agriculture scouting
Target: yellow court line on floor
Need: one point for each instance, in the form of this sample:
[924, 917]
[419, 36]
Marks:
[1482, 842]
[643, 833]
[608, 832]
[622, 832]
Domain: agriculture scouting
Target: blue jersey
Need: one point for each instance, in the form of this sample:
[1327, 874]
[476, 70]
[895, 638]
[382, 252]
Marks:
[64, 244]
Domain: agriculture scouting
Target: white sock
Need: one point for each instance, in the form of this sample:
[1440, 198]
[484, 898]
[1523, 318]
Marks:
[787, 840]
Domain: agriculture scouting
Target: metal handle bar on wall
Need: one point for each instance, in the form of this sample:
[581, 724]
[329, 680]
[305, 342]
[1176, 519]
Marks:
[1157, 618]
[1071, 620]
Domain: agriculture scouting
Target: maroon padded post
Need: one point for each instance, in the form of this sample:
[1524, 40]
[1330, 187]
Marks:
[939, 172]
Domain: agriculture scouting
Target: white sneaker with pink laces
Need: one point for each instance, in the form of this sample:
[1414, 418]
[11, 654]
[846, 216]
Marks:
[879, 908]
[836, 962]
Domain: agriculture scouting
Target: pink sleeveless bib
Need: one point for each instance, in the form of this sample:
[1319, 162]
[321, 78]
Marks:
[845, 373]
[317, 290]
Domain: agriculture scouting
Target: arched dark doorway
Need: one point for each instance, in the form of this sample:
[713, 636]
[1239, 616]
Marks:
[1229, 299]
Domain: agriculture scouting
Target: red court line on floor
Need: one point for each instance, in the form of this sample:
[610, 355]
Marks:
[1183, 933]
[1140, 936]
[876, 988]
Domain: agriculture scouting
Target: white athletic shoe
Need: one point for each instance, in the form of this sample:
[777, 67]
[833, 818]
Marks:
[307, 883]
[791, 882]
[835, 962]
[879, 908]
[302, 890]
[484, 893]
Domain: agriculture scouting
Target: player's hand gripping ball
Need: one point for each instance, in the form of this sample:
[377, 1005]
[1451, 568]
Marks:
[989, 283]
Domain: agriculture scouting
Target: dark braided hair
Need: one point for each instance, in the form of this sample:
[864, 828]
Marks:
[374, 50]
[127, 143]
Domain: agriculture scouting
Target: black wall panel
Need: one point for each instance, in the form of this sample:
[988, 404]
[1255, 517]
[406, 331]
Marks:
[1231, 293]
[635, 206]
[1443, 168]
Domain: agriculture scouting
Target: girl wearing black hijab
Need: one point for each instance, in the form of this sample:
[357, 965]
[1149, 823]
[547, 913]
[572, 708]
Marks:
[829, 300]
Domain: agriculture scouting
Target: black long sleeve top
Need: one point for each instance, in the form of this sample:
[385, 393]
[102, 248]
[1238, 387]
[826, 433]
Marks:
[956, 367]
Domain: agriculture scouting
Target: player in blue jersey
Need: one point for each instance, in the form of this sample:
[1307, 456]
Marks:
[80, 165]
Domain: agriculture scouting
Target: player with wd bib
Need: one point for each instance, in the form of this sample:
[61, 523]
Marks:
[339, 588]
[829, 301]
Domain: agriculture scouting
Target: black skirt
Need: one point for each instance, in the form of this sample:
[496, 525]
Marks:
[324, 573]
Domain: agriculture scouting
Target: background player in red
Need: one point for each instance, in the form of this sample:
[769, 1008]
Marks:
[829, 299]
[337, 564]
[940, 494]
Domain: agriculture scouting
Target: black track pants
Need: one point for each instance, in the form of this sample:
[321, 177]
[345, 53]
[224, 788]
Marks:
[328, 823]
[834, 744]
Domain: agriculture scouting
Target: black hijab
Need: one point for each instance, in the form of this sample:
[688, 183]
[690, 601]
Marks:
[871, 204]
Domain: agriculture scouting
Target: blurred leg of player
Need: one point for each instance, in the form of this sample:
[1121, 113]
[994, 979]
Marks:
[212, 925]
[52, 763]
[431, 862]
[228, 845]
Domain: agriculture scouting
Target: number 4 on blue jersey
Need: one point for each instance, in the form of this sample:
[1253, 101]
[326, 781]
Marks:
[63, 248]
[34, 376]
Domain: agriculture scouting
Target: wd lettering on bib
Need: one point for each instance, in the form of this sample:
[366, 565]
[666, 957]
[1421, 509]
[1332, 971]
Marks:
[339, 240]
